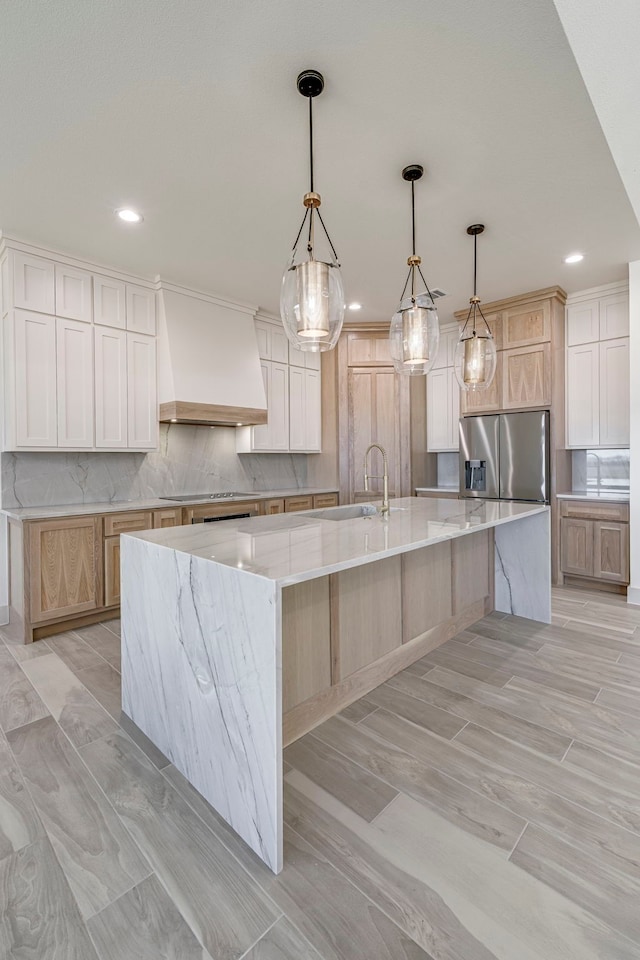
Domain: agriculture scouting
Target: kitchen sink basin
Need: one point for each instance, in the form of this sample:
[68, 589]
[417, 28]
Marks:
[350, 511]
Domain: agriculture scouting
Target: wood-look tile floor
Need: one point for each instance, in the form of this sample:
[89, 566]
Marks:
[484, 803]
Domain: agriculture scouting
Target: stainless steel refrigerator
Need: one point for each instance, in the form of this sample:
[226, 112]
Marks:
[505, 456]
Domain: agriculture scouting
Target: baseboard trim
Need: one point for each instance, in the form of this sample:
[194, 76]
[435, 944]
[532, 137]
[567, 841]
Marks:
[633, 596]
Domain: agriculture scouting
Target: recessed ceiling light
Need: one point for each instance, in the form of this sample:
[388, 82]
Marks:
[130, 216]
[355, 306]
[574, 258]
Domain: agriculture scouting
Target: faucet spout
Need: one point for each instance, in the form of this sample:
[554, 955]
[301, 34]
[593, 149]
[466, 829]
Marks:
[384, 510]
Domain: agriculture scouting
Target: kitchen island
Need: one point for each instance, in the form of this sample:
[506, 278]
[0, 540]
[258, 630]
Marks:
[239, 637]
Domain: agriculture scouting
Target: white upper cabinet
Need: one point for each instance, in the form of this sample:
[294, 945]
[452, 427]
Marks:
[293, 391]
[614, 316]
[614, 392]
[141, 309]
[443, 396]
[272, 341]
[73, 293]
[78, 356]
[74, 363]
[597, 371]
[109, 301]
[142, 424]
[110, 380]
[583, 395]
[583, 322]
[34, 404]
[33, 282]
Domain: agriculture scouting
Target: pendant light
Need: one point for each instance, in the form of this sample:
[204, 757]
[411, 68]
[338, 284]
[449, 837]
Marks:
[415, 331]
[312, 295]
[475, 356]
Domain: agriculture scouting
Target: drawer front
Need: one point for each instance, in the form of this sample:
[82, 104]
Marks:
[203, 510]
[322, 500]
[167, 518]
[117, 523]
[292, 504]
[273, 506]
[595, 511]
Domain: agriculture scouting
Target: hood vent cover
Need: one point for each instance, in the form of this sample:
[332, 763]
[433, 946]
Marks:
[208, 365]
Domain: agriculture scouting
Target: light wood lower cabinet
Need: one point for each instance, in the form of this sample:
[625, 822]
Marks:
[322, 500]
[167, 518]
[273, 506]
[111, 571]
[595, 549]
[293, 504]
[64, 567]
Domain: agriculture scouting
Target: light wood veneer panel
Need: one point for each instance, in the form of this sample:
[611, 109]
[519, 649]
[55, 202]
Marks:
[366, 615]
[306, 644]
[470, 574]
[426, 589]
[64, 567]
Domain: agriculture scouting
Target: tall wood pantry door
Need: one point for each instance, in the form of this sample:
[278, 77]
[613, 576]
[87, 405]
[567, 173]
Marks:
[374, 417]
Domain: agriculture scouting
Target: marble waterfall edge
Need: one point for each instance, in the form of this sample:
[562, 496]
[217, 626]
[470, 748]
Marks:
[522, 567]
[202, 679]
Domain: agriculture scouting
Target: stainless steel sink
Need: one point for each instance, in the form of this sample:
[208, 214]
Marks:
[350, 511]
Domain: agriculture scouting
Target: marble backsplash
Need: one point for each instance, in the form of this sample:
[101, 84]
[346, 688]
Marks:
[190, 459]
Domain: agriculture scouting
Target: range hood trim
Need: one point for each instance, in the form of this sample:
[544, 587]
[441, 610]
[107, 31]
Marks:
[214, 415]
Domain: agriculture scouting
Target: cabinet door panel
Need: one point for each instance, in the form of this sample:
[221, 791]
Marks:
[297, 409]
[279, 344]
[278, 404]
[74, 349]
[167, 518]
[526, 377]
[614, 392]
[611, 551]
[438, 407]
[273, 506]
[35, 379]
[141, 309]
[614, 316]
[73, 293]
[64, 567]
[111, 571]
[453, 389]
[485, 401]
[109, 302]
[263, 336]
[583, 322]
[141, 392]
[526, 324]
[576, 543]
[313, 411]
[33, 283]
[261, 433]
[583, 395]
[111, 387]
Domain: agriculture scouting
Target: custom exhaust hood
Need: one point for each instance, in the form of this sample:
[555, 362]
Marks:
[208, 365]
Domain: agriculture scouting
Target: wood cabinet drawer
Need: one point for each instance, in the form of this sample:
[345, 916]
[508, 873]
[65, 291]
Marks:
[204, 510]
[322, 500]
[167, 518]
[127, 522]
[595, 511]
[273, 506]
[292, 504]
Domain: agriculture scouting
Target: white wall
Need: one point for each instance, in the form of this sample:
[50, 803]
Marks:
[633, 593]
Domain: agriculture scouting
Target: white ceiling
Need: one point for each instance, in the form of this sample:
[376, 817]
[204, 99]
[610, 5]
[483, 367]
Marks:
[188, 110]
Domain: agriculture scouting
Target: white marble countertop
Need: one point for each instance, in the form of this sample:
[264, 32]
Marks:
[290, 548]
[122, 506]
[616, 496]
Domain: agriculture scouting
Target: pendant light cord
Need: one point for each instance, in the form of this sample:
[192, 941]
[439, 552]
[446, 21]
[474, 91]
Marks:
[475, 261]
[311, 143]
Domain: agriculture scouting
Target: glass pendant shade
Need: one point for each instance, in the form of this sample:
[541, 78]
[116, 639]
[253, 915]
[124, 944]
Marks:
[475, 361]
[414, 336]
[312, 304]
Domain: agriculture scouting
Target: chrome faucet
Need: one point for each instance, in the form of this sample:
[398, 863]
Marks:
[384, 509]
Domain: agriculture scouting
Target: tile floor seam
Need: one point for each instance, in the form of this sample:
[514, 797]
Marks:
[270, 927]
[518, 840]
[124, 893]
[362, 892]
[357, 723]
[460, 731]
[97, 652]
[49, 714]
[567, 750]
[384, 809]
